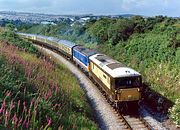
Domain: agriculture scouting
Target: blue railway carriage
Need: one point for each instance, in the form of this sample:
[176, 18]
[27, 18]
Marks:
[121, 83]
[66, 48]
[81, 56]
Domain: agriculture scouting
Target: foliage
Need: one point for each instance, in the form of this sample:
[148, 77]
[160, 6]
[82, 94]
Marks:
[10, 26]
[12, 38]
[175, 112]
[155, 54]
[99, 29]
[35, 95]
[158, 63]
[121, 30]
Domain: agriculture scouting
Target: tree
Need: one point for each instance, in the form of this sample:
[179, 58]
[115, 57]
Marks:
[120, 30]
[139, 24]
[99, 29]
[10, 26]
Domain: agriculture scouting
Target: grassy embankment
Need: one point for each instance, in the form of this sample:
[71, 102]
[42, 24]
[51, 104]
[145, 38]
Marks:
[37, 93]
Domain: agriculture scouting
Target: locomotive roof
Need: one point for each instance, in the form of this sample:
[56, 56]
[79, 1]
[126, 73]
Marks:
[67, 43]
[85, 51]
[112, 67]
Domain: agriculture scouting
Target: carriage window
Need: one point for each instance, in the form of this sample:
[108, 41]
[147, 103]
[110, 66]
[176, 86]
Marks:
[92, 65]
[104, 76]
[128, 82]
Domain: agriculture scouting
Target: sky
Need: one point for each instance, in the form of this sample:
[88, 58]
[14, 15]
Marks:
[97, 7]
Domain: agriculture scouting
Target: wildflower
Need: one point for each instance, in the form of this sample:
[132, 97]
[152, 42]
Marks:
[49, 120]
[1, 110]
[56, 106]
[20, 122]
[32, 101]
[27, 125]
[14, 119]
[29, 112]
[3, 106]
[19, 102]
[36, 102]
[24, 123]
[25, 108]
[35, 112]
[12, 105]
[4, 103]
[8, 94]
[6, 118]
[45, 96]
[24, 90]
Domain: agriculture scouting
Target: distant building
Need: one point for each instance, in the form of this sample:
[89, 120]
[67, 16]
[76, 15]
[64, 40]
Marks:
[86, 18]
[46, 22]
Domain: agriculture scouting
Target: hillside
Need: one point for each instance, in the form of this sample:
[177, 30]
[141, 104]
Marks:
[36, 92]
[149, 45]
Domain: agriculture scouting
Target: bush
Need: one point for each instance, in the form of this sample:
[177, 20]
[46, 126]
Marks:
[12, 38]
[175, 112]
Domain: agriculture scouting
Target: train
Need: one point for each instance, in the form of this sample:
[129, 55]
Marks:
[121, 85]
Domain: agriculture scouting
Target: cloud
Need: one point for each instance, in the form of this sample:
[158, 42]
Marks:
[152, 7]
[141, 7]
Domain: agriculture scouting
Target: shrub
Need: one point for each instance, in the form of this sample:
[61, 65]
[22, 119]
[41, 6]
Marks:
[12, 38]
[175, 112]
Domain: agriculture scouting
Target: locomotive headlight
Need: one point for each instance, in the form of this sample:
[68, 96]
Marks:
[138, 89]
[117, 92]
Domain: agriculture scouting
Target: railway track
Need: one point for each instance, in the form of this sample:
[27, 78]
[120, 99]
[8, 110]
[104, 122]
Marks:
[126, 121]
[131, 122]
[138, 123]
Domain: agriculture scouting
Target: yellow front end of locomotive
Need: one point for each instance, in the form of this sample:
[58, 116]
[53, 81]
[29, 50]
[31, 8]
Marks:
[130, 94]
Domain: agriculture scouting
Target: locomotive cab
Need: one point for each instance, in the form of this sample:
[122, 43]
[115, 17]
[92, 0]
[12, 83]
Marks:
[127, 88]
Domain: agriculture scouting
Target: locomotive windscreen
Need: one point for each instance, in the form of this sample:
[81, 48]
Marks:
[128, 82]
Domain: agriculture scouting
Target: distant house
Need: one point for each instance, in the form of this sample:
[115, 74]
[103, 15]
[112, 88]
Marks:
[46, 22]
[85, 19]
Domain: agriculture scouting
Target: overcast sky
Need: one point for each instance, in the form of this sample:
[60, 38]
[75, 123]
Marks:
[140, 7]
